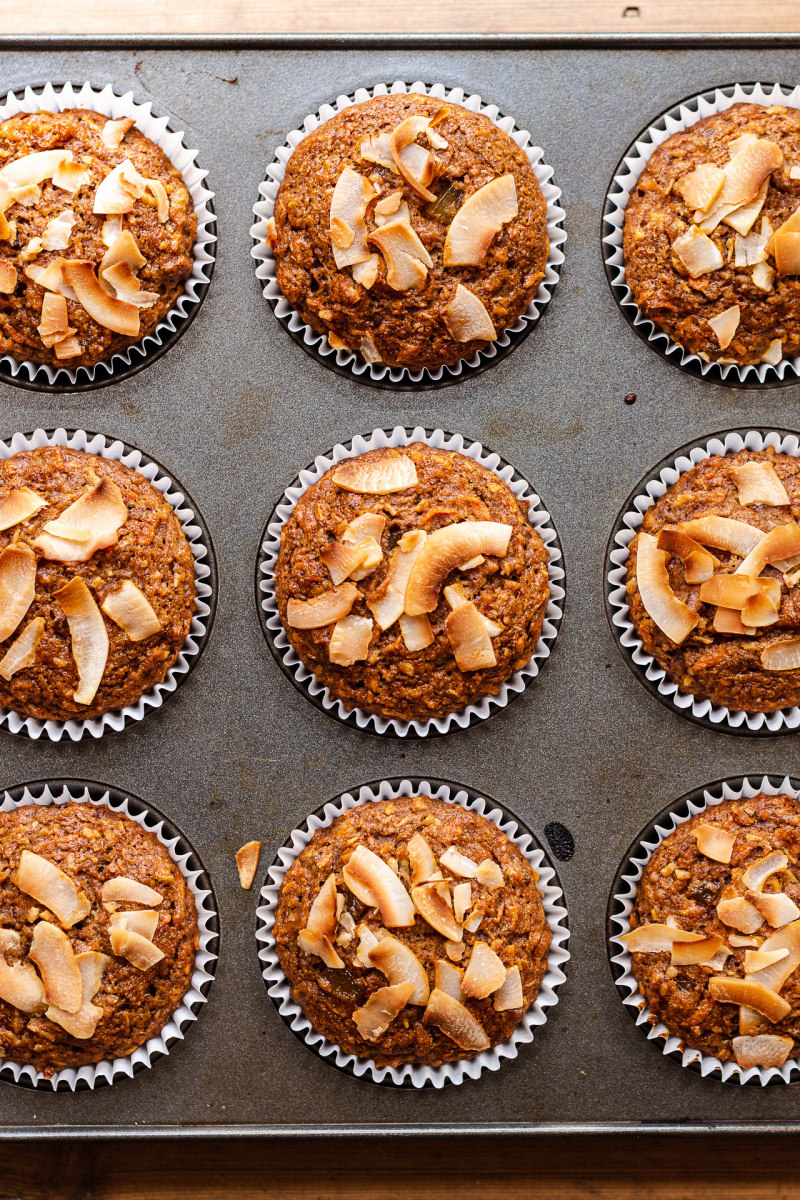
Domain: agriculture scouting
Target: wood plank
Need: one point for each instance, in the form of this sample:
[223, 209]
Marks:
[430, 16]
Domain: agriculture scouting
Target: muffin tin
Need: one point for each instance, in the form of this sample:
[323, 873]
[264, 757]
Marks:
[235, 410]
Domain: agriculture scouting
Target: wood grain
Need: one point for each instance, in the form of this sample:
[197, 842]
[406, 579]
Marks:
[429, 16]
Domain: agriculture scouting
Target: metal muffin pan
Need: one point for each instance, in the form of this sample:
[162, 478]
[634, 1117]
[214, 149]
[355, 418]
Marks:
[234, 411]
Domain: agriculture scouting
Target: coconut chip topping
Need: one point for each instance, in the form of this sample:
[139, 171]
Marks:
[247, 863]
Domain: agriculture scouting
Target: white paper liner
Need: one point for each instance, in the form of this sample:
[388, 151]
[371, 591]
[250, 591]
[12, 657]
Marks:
[709, 1065]
[417, 1076]
[539, 519]
[690, 111]
[782, 720]
[109, 1070]
[263, 209]
[116, 719]
[55, 98]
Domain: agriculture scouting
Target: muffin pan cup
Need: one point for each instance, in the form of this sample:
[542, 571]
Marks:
[109, 1071]
[621, 904]
[306, 682]
[643, 665]
[205, 575]
[415, 1076]
[345, 362]
[626, 175]
[42, 377]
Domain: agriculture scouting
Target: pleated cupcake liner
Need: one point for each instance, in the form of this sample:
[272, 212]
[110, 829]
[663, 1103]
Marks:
[204, 574]
[345, 361]
[290, 662]
[415, 1075]
[57, 98]
[109, 1070]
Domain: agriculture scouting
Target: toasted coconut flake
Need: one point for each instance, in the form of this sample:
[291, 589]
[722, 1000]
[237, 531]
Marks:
[33, 248]
[783, 541]
[323, 916]
[454, 950]
[123, 249]
[698, 563]
[17, 586]
[18, 505]
[129, 608]
[447, 978]
[350, 640]
[125, 890]
[387, 206]
[729, 591]
[743, 217]
[51, 278]
[69, 348]
[759, 872]
[765, 1050]
[366, 272]
[773, 353]
[367, 869]
[489, 875]
[478, 221]
[247, 863]
[22, 653]
[781, 656]
[725, 325]
[421, 860]
[462, 900]
[432, 902]
[159, 194]
[399, 964]
[367, 943]
[723, 533]
[120, 189]
[749, 250]
[45, 882]
[112, 229]
[378, 476]
[758, 483]
[83, 1023]
[322, 610]
[714, 842]
[747, 171]
[54, 326]
[415, 164]
[321, 946]
[776, 975]
[510, 996]
[126, 286]
[778, 908]
[759, 611]
[113, 132]
[735, 939]
[8, 277]
[469, 639]
[456, 1022]
[444, 549]
[57, 233]
[697, 252]
[33, 168]
[763, 276]
[341, 560]
[690, 953]
[485, 973]
[656, 938]
[417, 632]
[701, 187]
[404, 253]
[467, 319]
[458, 863]
[739, 914]
[139, 951]
[71, 176]
[142, 921]
[787, 253]
[374, 1018]
[671, 615]
[109, 312]
[349, 202]
[21, 987]
[361, 529]
[727, 989]
[52, 952]
[728, 620]
[390, 604]
[790, 225]
[89, 637]
[375, 148]
[758, 960]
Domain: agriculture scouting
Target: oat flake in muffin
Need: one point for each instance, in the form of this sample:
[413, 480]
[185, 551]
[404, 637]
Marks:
[98, 935]
[410, 231]
[712, 236]
[410, 581]
[97, 232]
[715, 938]
[713, 577]
[412, 931]
[97, 585]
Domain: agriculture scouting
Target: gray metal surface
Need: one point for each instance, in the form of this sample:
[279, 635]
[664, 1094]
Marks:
[234, 409]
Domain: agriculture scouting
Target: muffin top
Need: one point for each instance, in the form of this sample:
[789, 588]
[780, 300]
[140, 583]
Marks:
[411, 582]
[711, 247]
[726, 880]
[410, 230]
[97, 584]
[97, 232]
[98, 934]
[412, 931]
[713, 580]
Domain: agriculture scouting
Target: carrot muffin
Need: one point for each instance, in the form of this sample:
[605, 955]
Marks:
[411, 582]
[97, 584]
[712, 253]
[97, 234]
[715, 938]
[98, 935]
[713, 581]
[409, 230]
[412, 931]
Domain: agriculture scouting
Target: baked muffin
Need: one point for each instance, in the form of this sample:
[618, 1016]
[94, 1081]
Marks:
[391, 966]
[97, 584]
[409, 230]
[713, 580]
[411, 582]
[705, 227]
[727, 879]
[97, 231]
[98, 935]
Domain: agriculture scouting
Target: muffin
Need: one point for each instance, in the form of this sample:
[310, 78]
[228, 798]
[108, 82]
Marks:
[712, 581]
[98, 232]
[715, 941]
[412, 931]
[410, 231]
[410, 582]
[711, 234]
[97, 585]
[98, 938]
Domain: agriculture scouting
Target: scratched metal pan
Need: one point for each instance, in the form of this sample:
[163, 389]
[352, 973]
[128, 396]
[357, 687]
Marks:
[231, 411]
